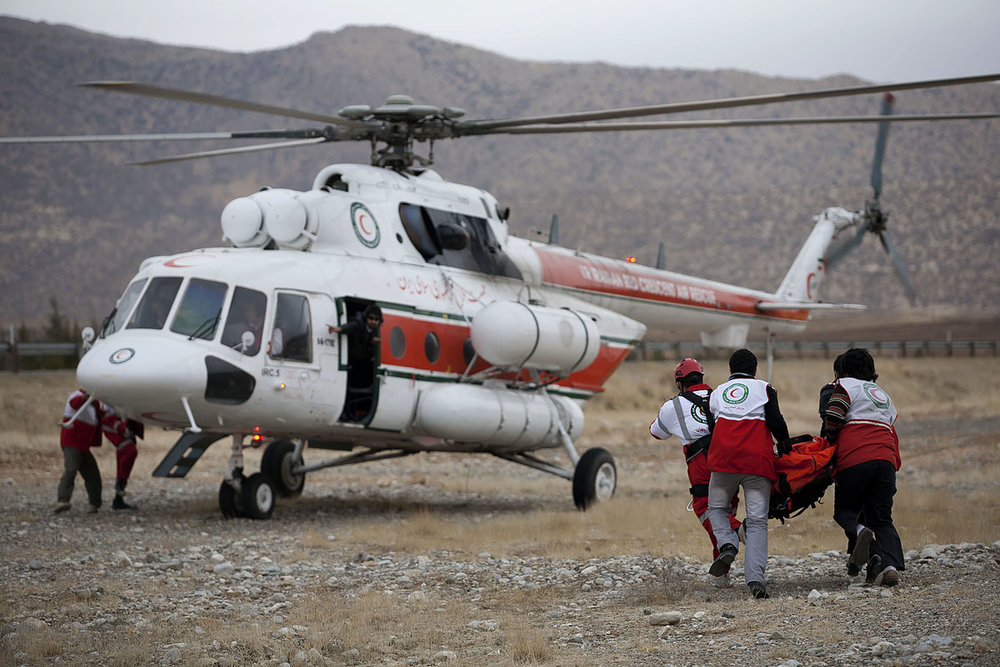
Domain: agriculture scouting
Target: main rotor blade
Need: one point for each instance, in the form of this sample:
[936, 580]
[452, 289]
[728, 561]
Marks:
[726, 103]
[232, 151]
[714, 123]
[900, 267]
[134, 88]
[880, 141]
[307, 133]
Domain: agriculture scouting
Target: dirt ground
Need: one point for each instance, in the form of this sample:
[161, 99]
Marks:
[439, 558]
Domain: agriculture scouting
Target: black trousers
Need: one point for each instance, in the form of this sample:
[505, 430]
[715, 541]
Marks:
[867, 490]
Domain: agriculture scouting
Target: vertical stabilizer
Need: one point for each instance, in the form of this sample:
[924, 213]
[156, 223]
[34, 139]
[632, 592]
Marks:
[803, 280]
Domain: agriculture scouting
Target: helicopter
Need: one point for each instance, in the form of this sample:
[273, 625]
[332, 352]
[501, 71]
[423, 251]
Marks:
[482, 342]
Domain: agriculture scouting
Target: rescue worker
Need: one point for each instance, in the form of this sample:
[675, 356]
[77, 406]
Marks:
[122, 433]
[363, 338]
[687, 416]
[853, 569]
[860, 419]
[747, 417]
[75, 441]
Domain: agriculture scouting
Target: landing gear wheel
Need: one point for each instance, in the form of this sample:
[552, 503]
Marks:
[594, 478]
[258, 496]
[277, 463]
[231, 500]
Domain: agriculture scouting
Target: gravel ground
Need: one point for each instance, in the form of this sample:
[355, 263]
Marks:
[173, 575]
[173, 583]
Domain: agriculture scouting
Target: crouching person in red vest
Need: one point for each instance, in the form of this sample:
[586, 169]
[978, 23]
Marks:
[75, 440]
[122, 434]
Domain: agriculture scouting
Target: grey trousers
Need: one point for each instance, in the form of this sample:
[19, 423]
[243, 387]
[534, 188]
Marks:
[75, 461]
[756, 499]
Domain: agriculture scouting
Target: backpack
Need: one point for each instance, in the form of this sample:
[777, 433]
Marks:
[803, 476]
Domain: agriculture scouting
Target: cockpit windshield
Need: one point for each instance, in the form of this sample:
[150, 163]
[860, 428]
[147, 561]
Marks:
[117, 317]
[156, 303]
[200, 309]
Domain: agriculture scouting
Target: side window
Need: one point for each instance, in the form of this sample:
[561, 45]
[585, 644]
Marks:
[246, 313]
[291, 338]
[116, 320]
[156, 303]
[200, 309]
[419, 229]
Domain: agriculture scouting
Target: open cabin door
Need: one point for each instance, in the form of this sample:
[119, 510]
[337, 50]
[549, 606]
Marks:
[374, 397]
[359, 359]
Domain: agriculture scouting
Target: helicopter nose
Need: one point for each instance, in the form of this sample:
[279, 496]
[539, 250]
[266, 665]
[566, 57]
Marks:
[142, 373]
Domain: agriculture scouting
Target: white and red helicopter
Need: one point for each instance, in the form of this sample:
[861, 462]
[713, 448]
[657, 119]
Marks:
[489, 343]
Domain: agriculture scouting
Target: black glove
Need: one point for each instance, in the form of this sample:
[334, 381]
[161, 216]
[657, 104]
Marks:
[784, 447]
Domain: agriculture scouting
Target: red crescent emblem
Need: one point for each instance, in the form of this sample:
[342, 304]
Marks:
[361, 224]
[175, 263]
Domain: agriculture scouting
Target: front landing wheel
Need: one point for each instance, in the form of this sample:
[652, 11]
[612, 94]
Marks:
[594, 478]
[231, 498]
[277, 463]
[258, 496]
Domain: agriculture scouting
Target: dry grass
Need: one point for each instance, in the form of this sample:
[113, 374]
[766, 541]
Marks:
[945, 470]
[950, 426]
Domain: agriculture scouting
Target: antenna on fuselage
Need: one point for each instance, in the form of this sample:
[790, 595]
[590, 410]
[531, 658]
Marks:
[554, 229]
[661, 257]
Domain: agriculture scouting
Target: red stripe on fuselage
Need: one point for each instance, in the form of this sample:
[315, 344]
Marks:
[451, 336]
[605, 278]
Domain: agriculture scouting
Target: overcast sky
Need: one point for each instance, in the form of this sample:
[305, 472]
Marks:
[877, 40]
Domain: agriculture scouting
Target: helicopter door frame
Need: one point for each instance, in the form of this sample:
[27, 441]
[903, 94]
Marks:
[310, 375]
[347, 307]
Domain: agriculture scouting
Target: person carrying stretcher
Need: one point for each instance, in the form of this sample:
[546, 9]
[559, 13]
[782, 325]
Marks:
[687, 416]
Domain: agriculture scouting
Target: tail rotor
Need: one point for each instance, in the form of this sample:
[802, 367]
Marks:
[873, 219]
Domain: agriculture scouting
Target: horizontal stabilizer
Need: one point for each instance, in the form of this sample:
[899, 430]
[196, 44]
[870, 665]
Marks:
[808, 305]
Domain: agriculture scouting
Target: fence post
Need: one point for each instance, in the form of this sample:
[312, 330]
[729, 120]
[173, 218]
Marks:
[15, 362]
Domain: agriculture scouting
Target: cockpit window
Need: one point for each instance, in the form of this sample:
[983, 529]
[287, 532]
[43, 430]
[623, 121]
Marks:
[200, 309]
[291, 338]
[156, 303]
[246, 313]
[116, 320]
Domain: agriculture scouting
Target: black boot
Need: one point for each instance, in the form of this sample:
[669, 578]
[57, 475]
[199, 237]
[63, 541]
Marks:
[120, 504]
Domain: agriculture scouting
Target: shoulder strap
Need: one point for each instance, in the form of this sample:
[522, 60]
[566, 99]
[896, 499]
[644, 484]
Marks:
[680, 418]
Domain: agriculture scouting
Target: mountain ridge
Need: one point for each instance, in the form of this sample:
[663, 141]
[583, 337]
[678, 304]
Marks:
[732, 205]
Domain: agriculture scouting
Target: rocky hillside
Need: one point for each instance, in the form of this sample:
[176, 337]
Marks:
[732, 205]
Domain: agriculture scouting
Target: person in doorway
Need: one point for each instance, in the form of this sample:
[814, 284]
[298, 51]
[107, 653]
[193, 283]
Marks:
[860, 419]
[747, 420]
[688, 417]
[76, 441]
[122, 433]
[363, 334]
